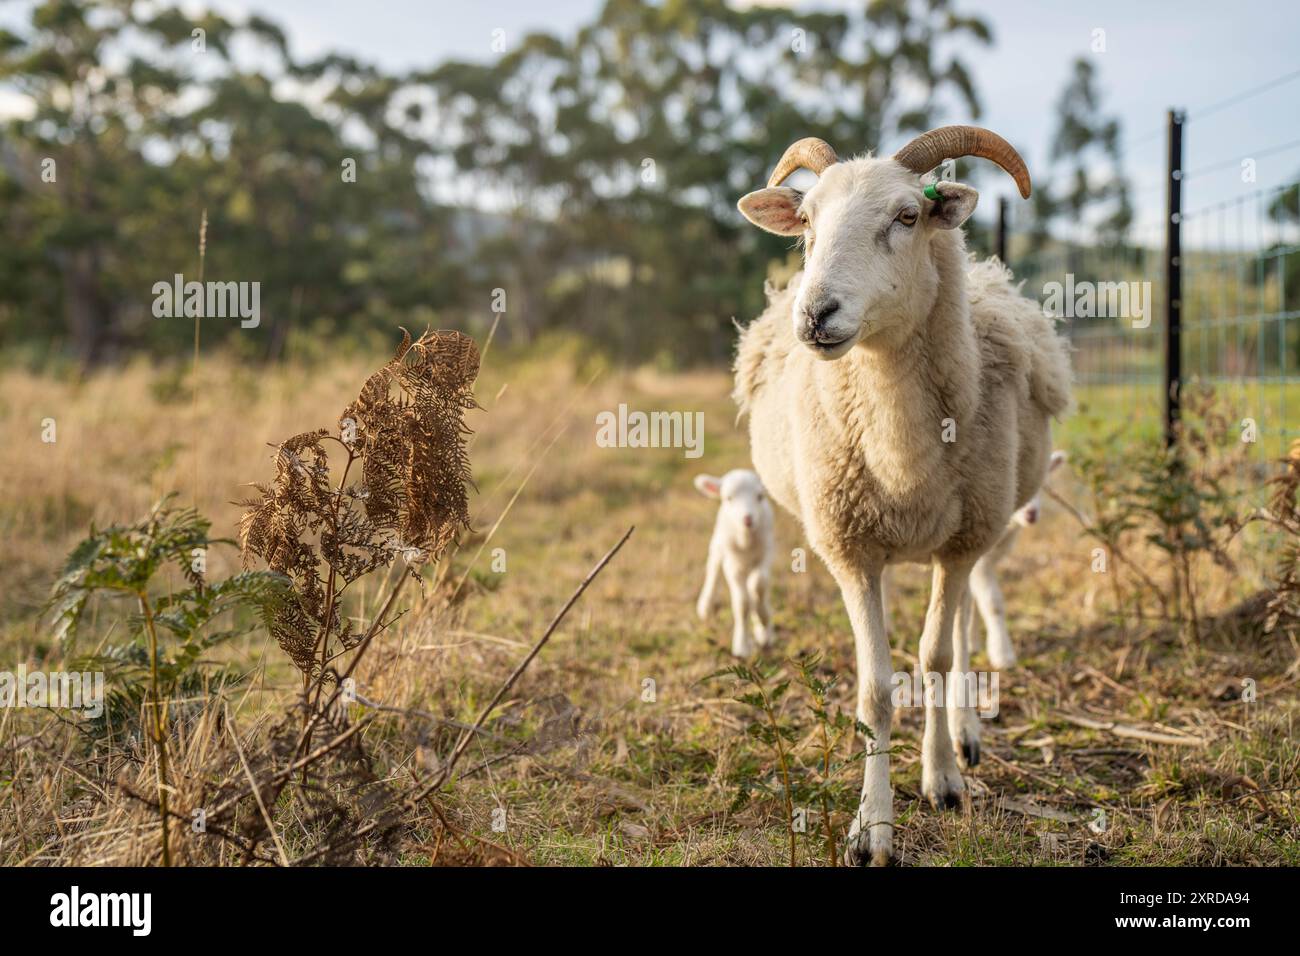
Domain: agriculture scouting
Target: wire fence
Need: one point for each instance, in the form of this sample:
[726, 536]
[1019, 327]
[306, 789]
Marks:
[1238, 314]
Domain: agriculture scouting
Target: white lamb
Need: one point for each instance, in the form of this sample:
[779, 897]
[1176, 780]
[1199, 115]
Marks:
[741, 549]
[899, 402]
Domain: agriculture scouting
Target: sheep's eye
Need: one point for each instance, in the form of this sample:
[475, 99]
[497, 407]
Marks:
[803, 220]
[907, 217]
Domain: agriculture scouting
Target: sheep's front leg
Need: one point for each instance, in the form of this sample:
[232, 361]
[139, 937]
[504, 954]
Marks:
[941, 781]
[758, 600]
[742, 643]
[871, 836]
[886, 585]
[963, 720]
[704, 606]
[988, 596]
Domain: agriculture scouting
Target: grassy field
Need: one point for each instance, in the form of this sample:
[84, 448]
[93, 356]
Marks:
[578, 766]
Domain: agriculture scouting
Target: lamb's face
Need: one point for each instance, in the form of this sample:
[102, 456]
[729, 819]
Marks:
[1028, 514]
[866, 227]
[744, 504]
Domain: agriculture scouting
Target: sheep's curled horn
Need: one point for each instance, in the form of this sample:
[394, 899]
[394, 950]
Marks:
[810, 153]
[950, 142]
[920, 155]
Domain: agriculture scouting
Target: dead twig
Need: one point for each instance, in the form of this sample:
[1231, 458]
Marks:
[1133, 733]
[1028, 809]
[445, 773]
[257, 793]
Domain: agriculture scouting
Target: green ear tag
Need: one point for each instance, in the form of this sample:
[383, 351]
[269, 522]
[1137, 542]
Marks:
[932, 193]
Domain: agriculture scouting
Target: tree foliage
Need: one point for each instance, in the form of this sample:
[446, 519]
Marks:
[585, 182]
[1087, 182]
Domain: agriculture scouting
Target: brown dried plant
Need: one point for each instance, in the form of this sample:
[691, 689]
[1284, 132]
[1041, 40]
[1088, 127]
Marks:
[406, 435]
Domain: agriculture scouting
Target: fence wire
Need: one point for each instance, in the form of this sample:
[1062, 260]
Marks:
[1240, 308]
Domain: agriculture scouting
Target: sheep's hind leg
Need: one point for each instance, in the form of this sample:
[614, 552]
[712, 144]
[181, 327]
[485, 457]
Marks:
[963, 721]
[941, 781]
[871, 836]
[988, 595]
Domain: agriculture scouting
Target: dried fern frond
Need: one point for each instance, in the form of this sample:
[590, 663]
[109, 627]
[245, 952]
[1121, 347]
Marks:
[404, 440]
[409, 425]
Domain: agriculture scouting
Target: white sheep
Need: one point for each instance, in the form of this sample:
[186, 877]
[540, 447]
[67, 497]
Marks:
[899, 400]
[741, 550]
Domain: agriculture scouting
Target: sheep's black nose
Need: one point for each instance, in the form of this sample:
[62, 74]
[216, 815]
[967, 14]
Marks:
[821, 312]
[812, 330]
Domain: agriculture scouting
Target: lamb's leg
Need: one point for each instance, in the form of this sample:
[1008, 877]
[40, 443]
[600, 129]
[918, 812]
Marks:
[988, 596]
[963, 720]
[758, 601]
[742, 644]
[871, 836]
[941, 781]
[704, 606]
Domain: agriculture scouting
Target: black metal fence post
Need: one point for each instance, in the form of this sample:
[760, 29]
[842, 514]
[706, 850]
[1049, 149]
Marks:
[1174, 277]
[1002, 230]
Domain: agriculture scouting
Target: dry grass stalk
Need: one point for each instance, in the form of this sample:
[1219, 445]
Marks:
[1284, 513]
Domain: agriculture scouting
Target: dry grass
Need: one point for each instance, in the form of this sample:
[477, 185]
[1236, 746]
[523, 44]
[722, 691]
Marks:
[585, 770]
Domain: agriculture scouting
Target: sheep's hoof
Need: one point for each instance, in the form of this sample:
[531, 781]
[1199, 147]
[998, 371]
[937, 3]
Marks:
[944, 792]
[964, 729]
[947, 800]
[858, 852]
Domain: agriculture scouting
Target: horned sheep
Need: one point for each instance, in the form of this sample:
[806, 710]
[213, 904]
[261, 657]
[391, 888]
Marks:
[899, 398]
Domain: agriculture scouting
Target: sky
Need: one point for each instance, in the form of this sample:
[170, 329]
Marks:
[1191, 55]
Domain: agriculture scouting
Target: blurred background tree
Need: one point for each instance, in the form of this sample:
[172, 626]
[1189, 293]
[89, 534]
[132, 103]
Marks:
[584, 183]
[1086, 181]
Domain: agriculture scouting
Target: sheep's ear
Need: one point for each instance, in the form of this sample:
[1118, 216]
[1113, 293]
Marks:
[1057, 459]
[708, 486]
[776, 210]
[954, 207]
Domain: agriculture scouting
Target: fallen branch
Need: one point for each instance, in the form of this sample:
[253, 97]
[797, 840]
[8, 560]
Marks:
[1134, 733]
[1025, 808]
